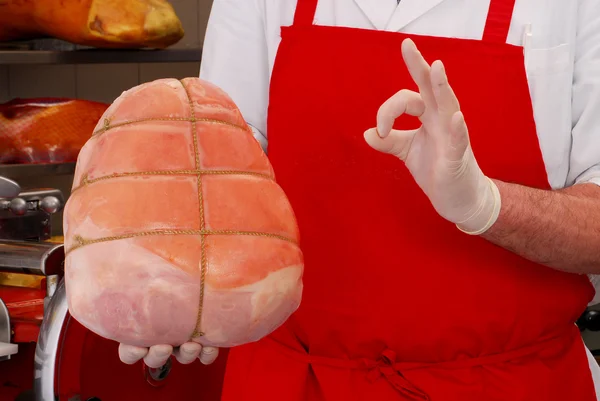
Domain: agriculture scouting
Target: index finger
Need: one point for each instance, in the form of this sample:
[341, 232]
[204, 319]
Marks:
[402, 102]
[130, 354]
[420, 72]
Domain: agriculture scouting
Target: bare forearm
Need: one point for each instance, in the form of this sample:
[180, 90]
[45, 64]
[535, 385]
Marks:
[560, 229]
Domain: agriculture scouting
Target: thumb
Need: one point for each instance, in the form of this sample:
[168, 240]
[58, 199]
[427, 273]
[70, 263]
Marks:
[397, 143]
[459, 136]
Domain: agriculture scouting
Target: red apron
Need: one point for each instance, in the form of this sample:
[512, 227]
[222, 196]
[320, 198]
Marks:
[399, 304]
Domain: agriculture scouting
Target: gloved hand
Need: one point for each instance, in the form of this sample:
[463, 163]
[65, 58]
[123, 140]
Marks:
[157, 355]
[438, 154]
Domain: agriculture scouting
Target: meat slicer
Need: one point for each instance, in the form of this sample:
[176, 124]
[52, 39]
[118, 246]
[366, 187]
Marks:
[45, 354]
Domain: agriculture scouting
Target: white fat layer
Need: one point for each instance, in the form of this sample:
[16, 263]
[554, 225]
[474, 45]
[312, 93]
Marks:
[127, 293]
[143, 278]
[257, 308]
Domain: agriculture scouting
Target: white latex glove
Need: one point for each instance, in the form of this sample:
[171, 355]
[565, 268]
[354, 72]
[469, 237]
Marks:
[438, 154]
[157, 355]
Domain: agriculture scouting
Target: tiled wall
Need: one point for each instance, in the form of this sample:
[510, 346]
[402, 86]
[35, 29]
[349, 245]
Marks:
[104, 82]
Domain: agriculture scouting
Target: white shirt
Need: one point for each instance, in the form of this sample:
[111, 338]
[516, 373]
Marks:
[562, 60]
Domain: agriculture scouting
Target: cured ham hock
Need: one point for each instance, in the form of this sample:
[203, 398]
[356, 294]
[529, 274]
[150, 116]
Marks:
[176, 228]
[46, 130]
[99, 23]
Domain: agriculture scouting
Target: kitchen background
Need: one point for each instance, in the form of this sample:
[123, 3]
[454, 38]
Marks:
[105, 82]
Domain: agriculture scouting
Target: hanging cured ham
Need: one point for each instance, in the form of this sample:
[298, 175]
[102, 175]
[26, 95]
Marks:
[176, 228]
[46, 130]
[100, 23]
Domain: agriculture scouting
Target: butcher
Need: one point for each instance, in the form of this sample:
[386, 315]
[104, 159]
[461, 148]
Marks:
[443, 161]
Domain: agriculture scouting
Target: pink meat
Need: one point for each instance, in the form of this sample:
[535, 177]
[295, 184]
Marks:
[176, 228]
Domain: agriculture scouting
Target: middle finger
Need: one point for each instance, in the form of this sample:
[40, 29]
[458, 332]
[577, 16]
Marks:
[187, 353]
[420, 72]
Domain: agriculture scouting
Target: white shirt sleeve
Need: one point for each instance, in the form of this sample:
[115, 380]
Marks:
[234, 58]
[260, 137]
[584, 163]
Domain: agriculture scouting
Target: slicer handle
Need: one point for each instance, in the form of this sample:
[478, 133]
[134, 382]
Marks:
[9, 188]
[590, 320]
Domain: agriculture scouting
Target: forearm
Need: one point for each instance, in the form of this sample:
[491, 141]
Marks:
[559, 229]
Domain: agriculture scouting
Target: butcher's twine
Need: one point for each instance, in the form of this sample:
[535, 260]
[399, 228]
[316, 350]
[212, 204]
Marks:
[86, 181]
[108, 126]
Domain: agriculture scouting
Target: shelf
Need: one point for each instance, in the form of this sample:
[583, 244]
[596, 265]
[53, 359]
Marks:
[98, 56]
[19, 171]
[56, 51]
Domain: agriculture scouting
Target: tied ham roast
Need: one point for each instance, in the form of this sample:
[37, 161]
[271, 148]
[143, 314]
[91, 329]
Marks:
[46, 130]
[100, 23]
[176, 228]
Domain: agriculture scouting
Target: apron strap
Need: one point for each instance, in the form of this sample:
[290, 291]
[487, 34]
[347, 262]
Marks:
[305, 12]
[496, 26]
[498, 21]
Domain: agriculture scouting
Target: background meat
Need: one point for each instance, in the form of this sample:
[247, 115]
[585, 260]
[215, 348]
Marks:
[100, 23]
[175, 215]
[46, 130]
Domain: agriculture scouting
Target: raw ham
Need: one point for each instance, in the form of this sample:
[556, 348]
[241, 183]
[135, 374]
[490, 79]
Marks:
[99, 23]
[46, 130]
[176, 228]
